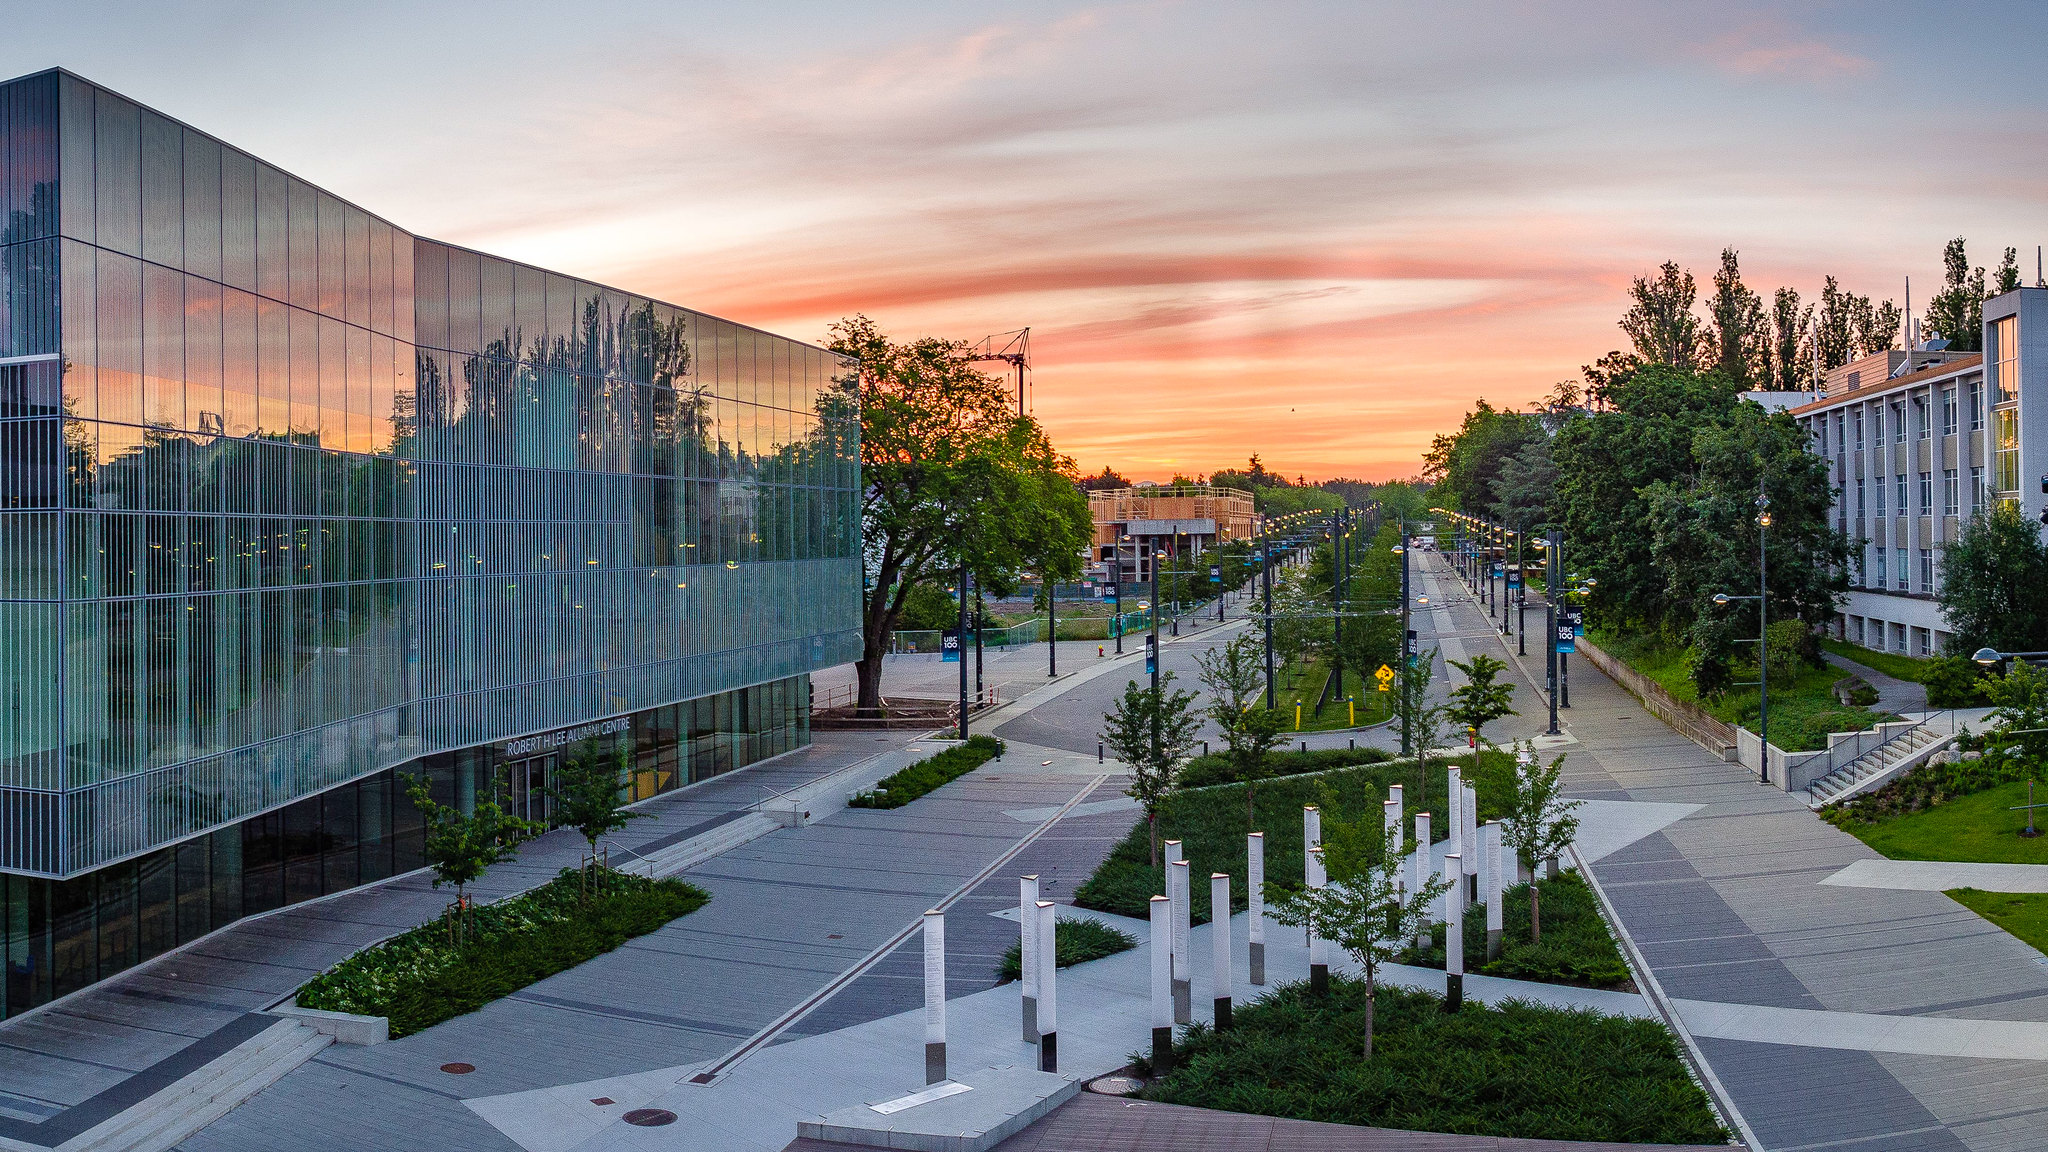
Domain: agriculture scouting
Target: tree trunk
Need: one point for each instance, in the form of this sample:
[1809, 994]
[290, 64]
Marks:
[869, 670]
[1535, 914]
[1152, 828]
[1371, 988]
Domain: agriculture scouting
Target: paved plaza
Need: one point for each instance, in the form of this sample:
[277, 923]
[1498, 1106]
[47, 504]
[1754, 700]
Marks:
[1838, 1001]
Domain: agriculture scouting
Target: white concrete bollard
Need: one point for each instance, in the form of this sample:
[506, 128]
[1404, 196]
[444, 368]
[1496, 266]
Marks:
[1454, 936]
[1318, 959]
[934, 997]
[1489, 838]
[1220, 967]
[1162, 985]
[1178, 892]
[1169, 850]
[1027, 937]
[1468, 844]
[1048, 990]
[1424, 869]
[1454, 815]
[1255, 894]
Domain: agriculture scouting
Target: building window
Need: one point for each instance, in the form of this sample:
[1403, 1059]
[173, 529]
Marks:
[1899, 490]
[1926, 504]
[1899, 422]
[2006, 446]
[1927, 570]
[1976, 406]
[1856, 628]
[1856, 422]
[1899, 571]
[1899, 637]
[1951, 499]
[1880, 498]
[1948, 411]
[1920, 641]
[1976, 488]
[1841, 444]
[2005, 345]
[1862, 512]
[1879, 569]
[1920, 421]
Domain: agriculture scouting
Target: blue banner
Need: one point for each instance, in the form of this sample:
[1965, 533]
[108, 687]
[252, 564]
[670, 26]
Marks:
[950, 647]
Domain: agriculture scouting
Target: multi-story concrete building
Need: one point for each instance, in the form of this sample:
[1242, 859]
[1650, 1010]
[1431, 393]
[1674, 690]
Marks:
[1918, 443]
[292, 501]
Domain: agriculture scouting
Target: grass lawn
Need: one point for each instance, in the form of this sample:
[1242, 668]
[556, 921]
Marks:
[2024, 914]
[422, 978]
[1303, 685]
[1514, 1071]
[1890, 663]
[1210, 822]
[1802, 712]
[1576, 949]
[1976, 828]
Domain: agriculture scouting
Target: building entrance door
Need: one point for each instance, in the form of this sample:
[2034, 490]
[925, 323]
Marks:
[522, 788]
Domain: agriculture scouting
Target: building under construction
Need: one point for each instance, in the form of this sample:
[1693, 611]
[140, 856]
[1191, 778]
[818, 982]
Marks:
[1132, 524]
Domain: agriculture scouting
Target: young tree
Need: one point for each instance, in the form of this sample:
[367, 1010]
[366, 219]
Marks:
[588, 794]
[1235, 675]
[2007, 278]
[1539, 823]
[1421, 721]
[1994, 583]
[947, 466]
[1741, 333]
[1152, 733]
[1362, 909]
[1481, 699]
[1791, 353]
[461, 848]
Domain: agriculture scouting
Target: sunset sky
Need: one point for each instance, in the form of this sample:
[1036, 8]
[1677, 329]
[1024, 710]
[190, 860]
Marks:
[1313, 231]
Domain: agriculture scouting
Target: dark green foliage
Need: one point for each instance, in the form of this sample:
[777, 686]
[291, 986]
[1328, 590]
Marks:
[1210, 825]
[1957, 311]
[928, 608]
[1953, 682]
[1518, 1070]
[1203, 771]
[1576, 947]
[1994, 583]
[1856, 690]
[940, 768]
[1073, 942]
[1929, 785]
[421, 978]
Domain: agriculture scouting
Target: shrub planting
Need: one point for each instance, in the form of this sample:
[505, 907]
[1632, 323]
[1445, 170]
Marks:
[1073, 942]
[424, 977]
[940, 768]
[1576, 947]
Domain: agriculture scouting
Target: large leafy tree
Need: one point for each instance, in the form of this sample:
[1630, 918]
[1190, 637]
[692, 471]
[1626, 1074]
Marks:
[1661, 324]
[949, 472]
[1704, 530]
[1994, 584]
[1606, 461]
[1741, 331]
[1466, 467]
[1957, 311]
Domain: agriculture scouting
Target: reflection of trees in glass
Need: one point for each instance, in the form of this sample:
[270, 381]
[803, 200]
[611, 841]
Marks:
[29, 262]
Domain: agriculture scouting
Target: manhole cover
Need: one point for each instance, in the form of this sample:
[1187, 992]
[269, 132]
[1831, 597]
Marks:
[1115, 1085]
[650, 1117]
[458, 1068]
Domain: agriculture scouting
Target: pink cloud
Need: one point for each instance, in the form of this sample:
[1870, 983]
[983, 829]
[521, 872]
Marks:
[1775, 48]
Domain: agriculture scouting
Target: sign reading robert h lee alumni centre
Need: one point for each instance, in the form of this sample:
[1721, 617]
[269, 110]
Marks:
[548, 741]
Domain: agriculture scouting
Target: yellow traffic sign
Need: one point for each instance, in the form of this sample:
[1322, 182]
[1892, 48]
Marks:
[1385, 676]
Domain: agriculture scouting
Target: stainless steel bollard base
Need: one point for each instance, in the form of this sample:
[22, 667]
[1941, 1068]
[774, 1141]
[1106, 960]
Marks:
[1494, 937]
[1222, 1014]
[1031, 1019]
[934, 1063]
[1454, 992]
[1319, 979]
[1049, 1052]
[1258, 964]
[1162, 1051]
[1183, 1003]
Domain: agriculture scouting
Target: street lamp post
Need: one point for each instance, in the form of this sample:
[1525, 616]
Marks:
[1266, 586]
[1763, 637]
[960, 645]
[1550, 588]
[1407, 745]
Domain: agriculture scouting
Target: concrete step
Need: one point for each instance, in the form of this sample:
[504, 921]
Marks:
[206, 1094]
[681, 857]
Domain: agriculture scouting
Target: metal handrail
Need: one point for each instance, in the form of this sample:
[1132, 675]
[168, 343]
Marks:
[1926, 720]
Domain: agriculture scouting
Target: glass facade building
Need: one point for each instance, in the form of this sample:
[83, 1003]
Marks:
[294, 500]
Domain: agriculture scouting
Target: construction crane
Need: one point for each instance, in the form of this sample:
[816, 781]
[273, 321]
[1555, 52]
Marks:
[1012, 348]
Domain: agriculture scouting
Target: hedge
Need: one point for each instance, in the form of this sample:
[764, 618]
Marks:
[423, 977]
[940, 768]
[1073, 942]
